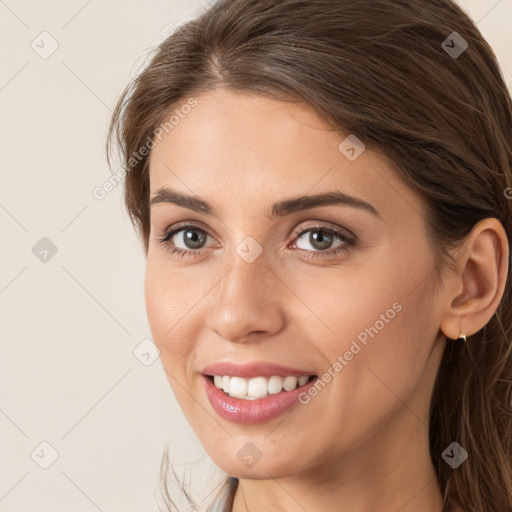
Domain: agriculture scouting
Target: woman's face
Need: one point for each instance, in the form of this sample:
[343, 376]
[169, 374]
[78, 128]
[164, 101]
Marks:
[335, 289]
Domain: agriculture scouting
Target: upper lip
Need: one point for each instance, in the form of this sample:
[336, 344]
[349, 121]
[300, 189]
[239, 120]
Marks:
[252, 369]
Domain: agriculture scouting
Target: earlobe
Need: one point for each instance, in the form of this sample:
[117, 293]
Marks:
[479, 280]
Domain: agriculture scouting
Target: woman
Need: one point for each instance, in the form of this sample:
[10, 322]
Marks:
[323, 193]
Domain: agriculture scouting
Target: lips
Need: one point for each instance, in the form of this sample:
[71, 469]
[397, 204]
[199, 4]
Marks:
[250, 412]
[253, 369]
[259, 410]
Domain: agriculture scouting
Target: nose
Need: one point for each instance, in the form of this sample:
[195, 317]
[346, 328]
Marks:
[247, 303]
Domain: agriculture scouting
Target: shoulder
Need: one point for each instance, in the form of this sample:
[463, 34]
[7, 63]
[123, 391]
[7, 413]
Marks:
[223, 502]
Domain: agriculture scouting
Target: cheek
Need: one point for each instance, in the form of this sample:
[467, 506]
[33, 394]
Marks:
[347, 304]
[170, 300]
[385, 346]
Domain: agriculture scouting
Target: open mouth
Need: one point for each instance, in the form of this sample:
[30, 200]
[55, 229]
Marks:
[258, 387]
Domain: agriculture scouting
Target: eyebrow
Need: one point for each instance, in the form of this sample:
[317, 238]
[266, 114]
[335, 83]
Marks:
[279, 209]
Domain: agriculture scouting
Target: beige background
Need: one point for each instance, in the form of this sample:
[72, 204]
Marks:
[69, 326]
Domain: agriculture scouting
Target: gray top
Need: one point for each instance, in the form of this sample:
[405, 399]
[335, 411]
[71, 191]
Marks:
[223, 502]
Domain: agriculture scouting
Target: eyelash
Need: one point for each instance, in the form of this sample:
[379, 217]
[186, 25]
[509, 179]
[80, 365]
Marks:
[348, 240]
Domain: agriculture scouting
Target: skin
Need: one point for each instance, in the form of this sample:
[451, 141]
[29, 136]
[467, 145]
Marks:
[361, 444]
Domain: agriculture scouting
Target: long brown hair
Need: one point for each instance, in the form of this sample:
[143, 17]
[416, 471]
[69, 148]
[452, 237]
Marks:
[440, 111]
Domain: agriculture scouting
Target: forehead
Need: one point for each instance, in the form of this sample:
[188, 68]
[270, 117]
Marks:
[240, 149]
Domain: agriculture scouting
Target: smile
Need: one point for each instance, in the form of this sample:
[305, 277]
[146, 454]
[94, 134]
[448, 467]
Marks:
[258, 387]
[255, 392]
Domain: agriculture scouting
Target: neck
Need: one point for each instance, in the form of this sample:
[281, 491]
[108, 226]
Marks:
[385, 474]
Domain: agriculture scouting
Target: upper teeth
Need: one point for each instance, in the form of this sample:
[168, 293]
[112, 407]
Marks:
[258, 387]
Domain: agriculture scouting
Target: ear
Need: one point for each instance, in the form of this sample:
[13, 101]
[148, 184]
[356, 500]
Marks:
[474, 289]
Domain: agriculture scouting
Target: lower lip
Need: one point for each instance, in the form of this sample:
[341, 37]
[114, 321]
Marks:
[250, 412]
